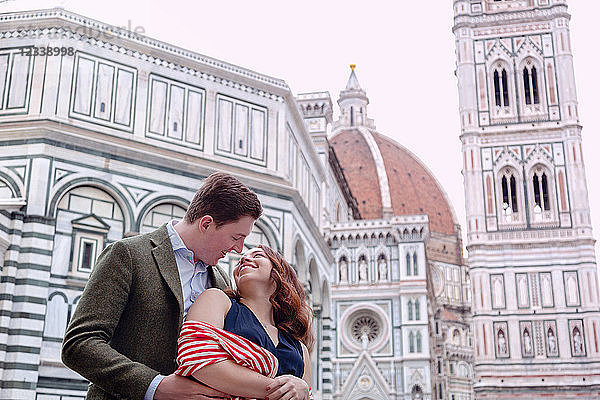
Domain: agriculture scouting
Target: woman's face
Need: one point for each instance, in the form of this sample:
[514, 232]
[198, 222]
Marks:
[254, 266]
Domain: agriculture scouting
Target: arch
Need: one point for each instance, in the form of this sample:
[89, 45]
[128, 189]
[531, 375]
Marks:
[54, 294]
[343, 269]
[157, 214]
[531, 81]
[325, 300]
[157, 201]
[6, 181]
[57, 315]
[417, 310]
[107, 187]
[315, 282]
[501, 85]
[510, 199]
[300, 261]
[265, 225]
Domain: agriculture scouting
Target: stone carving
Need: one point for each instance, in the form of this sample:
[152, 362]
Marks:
[383, 270]
[577, 342]
[551, 342]
[363, 272]
[502, 348]
[343, 270]
[527, 343]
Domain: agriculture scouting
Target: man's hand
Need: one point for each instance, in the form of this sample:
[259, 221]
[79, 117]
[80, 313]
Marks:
[288, 387]
[175, 387]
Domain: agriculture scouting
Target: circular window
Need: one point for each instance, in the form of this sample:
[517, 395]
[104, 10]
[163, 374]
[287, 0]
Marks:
[365, 326]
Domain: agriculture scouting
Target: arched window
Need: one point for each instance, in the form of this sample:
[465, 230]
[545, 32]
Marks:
[410, 310]
[417, 310]
[530, 84]
[411, 342]
[509, 193]
[419, 341]
[408, 269]
[415, 265]
[540, 191]
[501, 87]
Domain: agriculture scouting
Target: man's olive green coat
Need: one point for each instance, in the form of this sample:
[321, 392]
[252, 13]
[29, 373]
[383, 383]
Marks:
[125, 327]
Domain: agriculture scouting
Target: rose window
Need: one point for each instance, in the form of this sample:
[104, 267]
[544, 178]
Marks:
[365, 326]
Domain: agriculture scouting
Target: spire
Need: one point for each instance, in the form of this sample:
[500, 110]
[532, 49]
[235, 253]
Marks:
[353, 103]
[353, 80]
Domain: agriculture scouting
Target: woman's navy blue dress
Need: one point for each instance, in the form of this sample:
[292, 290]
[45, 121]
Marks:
[242, 321]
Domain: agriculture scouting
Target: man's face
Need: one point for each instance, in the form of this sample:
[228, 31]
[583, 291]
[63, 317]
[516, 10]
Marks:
[225, 238]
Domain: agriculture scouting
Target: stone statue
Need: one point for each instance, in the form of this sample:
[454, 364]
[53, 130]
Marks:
[527, 342]
[577, 341]
[551, 341]
[363, 273]
[343, 271]
[501, 343]
[364, 338]
[383, 270]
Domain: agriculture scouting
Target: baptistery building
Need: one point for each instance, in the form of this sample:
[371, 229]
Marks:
[110, 133]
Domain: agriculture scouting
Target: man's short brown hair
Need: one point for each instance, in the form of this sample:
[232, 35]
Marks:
[225, 199]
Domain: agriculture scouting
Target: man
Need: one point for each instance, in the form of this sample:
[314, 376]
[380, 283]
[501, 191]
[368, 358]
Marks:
[123, 334]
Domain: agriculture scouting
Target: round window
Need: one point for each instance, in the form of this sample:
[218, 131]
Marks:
[365, 327]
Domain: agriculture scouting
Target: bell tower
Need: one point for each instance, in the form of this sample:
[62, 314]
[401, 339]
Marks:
[533, 271]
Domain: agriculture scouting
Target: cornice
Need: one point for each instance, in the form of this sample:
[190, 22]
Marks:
[59, 23]
[510, 17]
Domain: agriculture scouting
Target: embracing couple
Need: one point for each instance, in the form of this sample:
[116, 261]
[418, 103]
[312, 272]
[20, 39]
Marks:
[158, 318]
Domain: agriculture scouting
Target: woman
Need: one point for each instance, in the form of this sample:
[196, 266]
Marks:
[267, 309]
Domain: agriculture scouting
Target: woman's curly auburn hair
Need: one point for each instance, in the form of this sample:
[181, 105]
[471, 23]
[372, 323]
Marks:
[290, 311]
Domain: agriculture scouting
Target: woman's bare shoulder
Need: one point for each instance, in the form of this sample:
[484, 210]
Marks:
[211, 307]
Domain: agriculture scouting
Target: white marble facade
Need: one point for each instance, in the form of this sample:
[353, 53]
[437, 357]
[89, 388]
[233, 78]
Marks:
[531, 250]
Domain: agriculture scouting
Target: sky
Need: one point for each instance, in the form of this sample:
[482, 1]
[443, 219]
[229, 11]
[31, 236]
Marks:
[404, 52]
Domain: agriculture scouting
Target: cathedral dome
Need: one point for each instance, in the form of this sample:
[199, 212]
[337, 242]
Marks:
[386, 178]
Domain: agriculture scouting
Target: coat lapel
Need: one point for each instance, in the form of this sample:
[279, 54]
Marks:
[165, 260]
[217, 278]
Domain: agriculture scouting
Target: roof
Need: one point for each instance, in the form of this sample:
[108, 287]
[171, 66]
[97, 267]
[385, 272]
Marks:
[380, 171]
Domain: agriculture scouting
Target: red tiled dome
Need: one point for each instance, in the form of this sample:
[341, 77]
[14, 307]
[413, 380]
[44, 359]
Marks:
[413, 189]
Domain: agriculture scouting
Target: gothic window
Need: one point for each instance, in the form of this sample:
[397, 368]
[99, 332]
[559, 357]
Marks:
[410, 310]
[530, 84]
[411, 342]
[509, 193]
[419, 342]
[415, 265]
[417, 310]
[408, 268]
[540, 191]
[501, 87]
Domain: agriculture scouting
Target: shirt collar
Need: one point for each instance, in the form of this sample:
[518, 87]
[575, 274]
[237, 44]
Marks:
[178, 245]
[176, 240]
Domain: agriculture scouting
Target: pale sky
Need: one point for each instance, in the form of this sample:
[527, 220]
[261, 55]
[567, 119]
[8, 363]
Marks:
[404, 52]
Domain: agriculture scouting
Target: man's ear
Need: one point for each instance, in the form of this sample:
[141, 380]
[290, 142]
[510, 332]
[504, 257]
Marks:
[204, 223]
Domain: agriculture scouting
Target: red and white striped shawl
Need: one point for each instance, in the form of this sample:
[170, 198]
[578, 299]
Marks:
[201, 344]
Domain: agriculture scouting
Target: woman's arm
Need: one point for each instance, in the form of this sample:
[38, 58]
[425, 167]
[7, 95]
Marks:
[227, 376]
[286, 385]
